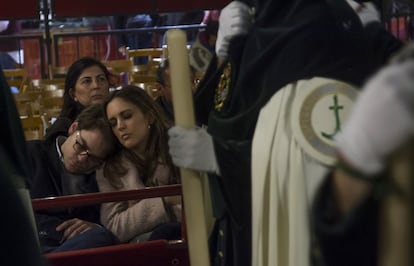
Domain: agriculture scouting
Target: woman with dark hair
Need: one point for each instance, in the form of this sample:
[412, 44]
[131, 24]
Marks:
[141, 128]
[87, 82]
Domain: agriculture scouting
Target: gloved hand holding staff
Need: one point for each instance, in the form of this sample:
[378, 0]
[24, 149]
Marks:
[184, 116]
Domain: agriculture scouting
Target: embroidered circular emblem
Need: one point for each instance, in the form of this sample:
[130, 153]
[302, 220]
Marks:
[222, 90]
[320, 110]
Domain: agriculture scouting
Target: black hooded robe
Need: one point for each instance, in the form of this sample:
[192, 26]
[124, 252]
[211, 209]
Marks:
[289, 41]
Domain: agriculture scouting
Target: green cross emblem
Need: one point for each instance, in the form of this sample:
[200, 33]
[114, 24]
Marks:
[335, 109]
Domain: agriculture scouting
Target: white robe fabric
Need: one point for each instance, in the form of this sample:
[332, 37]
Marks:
[284, 180]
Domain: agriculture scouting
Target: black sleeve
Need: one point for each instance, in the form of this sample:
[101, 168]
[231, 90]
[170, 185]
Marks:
[21, 246]
[233, 157]
[344, 241]
[16, 230]
[59, 128]
[12, 135]
[383, 44]
[46, 228]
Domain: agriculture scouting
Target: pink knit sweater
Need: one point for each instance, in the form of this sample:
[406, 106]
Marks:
[129, 219]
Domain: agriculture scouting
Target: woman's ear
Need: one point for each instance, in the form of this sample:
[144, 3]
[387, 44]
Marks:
[72, 94]
[73, 127]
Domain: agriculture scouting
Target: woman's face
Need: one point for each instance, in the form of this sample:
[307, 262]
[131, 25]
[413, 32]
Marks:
[128, 124]
[91, 87]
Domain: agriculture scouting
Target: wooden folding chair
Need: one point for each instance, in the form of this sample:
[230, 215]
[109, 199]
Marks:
[52, 102]
[142, 78]
[17, 77]
[57, 93]
[48, 84]
[58, 72]
[16, 73]
[51, 107]
[23, 108]
[152, 89]
[154, 55]
[28, 103]
[122, 69]
[33, 127]
[165, 50]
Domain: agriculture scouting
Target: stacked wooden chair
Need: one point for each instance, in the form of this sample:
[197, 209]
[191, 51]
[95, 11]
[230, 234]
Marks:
[38, 103]
[121, 69]
[144, 76]
[17, 78]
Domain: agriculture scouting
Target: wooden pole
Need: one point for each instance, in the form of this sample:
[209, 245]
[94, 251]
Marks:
[184, 116]
[396, 227]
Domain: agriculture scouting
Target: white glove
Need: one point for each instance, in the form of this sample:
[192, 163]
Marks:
[235, 19]
[382, 119]
[193, 149]
[367, 12]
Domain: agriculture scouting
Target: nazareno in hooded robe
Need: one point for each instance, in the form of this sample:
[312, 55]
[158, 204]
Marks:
[290, 40]
[16, 224]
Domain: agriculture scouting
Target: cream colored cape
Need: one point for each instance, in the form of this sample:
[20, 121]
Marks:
[284, 179]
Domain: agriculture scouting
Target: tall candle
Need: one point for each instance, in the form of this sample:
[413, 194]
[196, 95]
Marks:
[184, 116]
[396, 236]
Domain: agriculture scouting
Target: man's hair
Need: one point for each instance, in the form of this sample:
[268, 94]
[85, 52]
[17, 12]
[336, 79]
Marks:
[92, 118]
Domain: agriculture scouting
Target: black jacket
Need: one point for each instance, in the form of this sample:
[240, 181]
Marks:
[290, 41]
[15, 226]
[59, 128]
[48, 178]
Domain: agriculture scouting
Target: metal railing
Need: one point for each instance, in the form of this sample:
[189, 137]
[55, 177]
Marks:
[192, 31]
[98, 43]
[50, 52]
[19, 38]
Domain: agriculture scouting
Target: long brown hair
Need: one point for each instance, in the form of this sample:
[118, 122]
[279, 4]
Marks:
[156, 149]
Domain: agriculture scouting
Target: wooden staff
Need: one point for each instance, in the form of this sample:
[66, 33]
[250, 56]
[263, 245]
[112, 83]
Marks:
[396, 230]
[184, 116]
